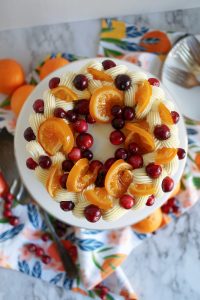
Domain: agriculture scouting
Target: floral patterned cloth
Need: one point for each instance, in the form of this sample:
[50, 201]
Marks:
[97, 253]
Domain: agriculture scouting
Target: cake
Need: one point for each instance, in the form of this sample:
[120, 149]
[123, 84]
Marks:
[144, 135]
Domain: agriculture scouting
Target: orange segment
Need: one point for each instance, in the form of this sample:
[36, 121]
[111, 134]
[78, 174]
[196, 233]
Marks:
[141, 189]
[140, 136]
[140, 123]
[143, 95]
[165, 155]
[54, 134]
[53, 184]
[64, 93]
[165, 114]
[118, 178]
[99, 197]
[102, 101]
[99, 75]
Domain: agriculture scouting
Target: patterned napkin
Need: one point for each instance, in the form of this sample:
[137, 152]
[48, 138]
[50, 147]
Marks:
[98, 254]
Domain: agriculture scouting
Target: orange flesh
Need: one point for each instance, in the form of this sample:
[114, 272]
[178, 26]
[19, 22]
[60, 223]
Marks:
[100, 75]
[99, 197]
[142, 189]
[143, 95]
[165, 155]
[64, 93]
[165, 114]
[53, 184]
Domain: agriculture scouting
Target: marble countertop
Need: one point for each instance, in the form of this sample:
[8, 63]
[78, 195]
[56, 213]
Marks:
[164, 267]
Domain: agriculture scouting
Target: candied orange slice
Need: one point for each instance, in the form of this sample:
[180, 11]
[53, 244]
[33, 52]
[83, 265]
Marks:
[118, 178]
[102, 101]
[99, 197]
[165, 155]
[140, 123]
[54, 135]
[140, 136]
[99, 75]
[52, 184]
[64, 93]
[165, 114]
[141, 189]
[80, 176]
[143, 95]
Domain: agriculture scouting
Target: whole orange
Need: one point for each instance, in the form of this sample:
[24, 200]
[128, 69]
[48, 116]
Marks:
[51, 65]
[19, 97]
[11, 75]
[149, 224]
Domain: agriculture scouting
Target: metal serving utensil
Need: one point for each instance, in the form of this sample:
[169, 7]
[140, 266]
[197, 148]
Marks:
[185, 79]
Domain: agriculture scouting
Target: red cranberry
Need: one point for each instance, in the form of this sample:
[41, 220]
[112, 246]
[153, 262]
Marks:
[67, 205]
[46, 259]
[31, 164]
[117, 137]
[133, 148]
[82, 107]
[109, 162]
[128, 113]
[54, 82]
[175, 116]
[59, 113]
[38, 106]
[84, 140]
[175, 209]
[92, 213]
[166, 209]
[45, 162]
[39, 251]
[63, 180]
[45, 237]
[80, 126]
[31, 248]
[67, 165]
[150, 200]
[136, 161]
[153, 170]
[89, 119]
[171, 201]
[118, 123]
[7, 205]
[116, 110]
[80, 82]
[108, 64]
[126, 201]
[154, 81]
[7, 213]
[14, 221]
[162, 132]
[10, 197]
[87, 154]
[71, 116]
[74, 154]
[95, 164]
[181, 153]
[101, 177]
[123, 82]
[167, 184]
[29, 134]
[121, 153]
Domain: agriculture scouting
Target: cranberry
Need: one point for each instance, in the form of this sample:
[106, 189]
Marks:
[60, 232]
[133, 148]
[67, 205]
[74, 154]
[166, 209]
[84, 140]
[59, 113]
[167, 184]
[101, 177]
[80, 82]
[10, 197]
[31, 164]
[121, 153]
[46, 259]
[123, 82]
[87, 154]
[175, 209]
[29, 134]
[150, 200]
[71, 116]
[82, 107]
[7, 213]
[108, 64]
[153, 170]
[39, 251]
[67, 165]
[136, 161]
[89, 119]
[118, 123]
[80, 126]
[109, 162]
[38, 106]
[92, 213]
[95, 164]
[181, 153]
[54, 82]
[14, 221]
[45, 237]
[171, 201]
[162, 132]
[126, 201]
[116, 110]
[175, 116]
[128, 113]
[45, 162]
[117, 137]
[63, 180]
[154, 81]
[7, 205]
[31, 248]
